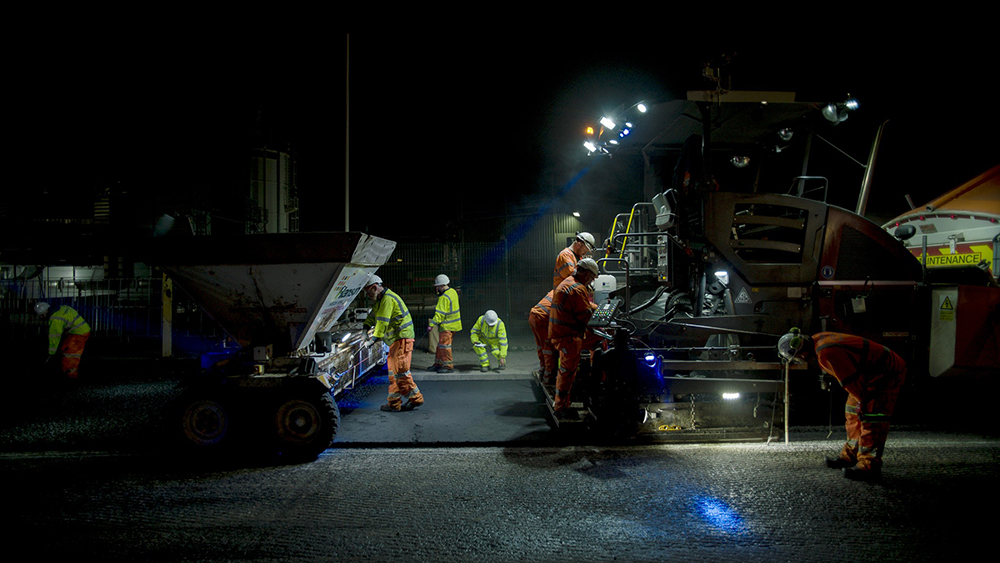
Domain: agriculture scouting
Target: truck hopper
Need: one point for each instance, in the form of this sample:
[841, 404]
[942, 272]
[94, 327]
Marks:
[281, 298]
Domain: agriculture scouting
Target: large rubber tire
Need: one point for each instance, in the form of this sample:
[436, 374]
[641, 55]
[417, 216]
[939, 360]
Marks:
[205, 421]
[306, 425]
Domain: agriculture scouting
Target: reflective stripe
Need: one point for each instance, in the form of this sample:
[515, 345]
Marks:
[392, 319]
[65, 321]
[446, 313]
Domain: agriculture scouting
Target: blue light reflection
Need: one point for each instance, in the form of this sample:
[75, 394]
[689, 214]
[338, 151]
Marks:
[720, 516]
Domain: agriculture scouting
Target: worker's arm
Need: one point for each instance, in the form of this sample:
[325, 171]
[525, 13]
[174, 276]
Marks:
[56, 327]
[476, 333]
[382, 314]
[502, 337]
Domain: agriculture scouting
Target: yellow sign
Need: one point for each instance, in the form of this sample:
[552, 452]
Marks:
[947, 310]
[955, 259]
[964, 255]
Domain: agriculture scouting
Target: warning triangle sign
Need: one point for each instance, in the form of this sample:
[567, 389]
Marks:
[743, 297]
[946, 304]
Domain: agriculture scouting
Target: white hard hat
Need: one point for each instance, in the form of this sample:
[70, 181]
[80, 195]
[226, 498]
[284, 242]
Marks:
[491, 317]
[41, 308]
[587, 239]
[441, 280]
[373, 280]
[791, 344]
[588, 264]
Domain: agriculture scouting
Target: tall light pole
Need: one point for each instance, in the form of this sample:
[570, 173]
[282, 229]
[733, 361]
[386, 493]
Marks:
[347, 143]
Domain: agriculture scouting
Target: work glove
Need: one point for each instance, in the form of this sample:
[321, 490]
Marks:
[372, 342]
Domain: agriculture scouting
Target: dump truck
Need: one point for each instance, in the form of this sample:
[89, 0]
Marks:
[956, 239]
[281, 299]
[738, 243]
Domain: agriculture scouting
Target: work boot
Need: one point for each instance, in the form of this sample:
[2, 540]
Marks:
[414, 402]
[446, 370]
[501, 367]
[388, 408]
[567, 414]
[856, 473]
[434, 367]
[484, 369]
[838, 462]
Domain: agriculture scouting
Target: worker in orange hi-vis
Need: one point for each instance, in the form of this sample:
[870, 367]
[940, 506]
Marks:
[538, 319]
[566, 261]
[572, 307]
[872, 375]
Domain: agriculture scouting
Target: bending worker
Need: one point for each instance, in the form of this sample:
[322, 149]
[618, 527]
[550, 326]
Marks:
[538, 319]
[872, 375]
[490, 332]
[68, 334]
[569, 256]
[571, 310]
[448, 321]
[390, 321]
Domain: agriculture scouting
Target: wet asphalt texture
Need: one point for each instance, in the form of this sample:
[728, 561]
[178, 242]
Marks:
[476, 474]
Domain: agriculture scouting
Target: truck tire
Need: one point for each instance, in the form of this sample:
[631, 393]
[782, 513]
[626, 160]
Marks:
[305, 426]
[205, 420]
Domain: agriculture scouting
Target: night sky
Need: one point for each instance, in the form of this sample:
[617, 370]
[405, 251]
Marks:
[488, 118]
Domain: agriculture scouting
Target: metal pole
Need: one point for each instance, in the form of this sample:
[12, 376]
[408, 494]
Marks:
[347, 143]
[167, 325]
[869, 172]
[787, 397]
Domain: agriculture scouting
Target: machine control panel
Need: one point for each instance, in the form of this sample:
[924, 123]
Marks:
[605, 312]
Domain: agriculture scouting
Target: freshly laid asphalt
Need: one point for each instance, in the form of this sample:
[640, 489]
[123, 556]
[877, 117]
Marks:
[475, 474]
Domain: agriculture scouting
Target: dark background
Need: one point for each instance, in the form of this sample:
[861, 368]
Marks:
[449, 124]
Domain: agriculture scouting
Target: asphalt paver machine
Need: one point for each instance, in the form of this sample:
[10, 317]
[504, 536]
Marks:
[282, 299]
[735, 246]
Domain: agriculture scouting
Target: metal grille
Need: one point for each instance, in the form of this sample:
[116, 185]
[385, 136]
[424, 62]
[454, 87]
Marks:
[114, 308]
[508, 276]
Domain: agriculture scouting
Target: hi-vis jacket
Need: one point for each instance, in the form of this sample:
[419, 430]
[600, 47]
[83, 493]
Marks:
[65, 321]
[571, 309]
[863, 368]
[493, 336]
[542, 307]
[446, 314]
[565, 265]
[390, 318]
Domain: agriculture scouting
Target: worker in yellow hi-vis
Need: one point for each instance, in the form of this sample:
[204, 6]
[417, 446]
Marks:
[68, 334]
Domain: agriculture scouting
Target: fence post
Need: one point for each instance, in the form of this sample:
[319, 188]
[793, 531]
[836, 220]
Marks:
[168, 317]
